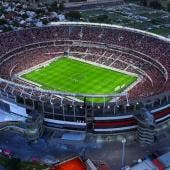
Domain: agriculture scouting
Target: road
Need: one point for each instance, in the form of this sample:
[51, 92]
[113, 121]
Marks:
[108, 151]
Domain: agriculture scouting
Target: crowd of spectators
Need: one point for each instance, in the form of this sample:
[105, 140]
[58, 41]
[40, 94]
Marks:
[120, 48]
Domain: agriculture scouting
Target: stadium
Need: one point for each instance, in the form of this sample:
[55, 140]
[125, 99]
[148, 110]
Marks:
[85, 76]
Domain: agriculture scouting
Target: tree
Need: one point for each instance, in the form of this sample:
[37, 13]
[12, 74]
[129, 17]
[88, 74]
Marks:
[103, 18]
[61, 7]
[14, 164]
[55, 6]
[155, 5]
[168, 6]
[73, 15]
[40, 11]
[143, 2]
[8, 28]
[2, 22]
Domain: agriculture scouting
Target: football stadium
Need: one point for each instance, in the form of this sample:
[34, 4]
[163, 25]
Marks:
[85, 76]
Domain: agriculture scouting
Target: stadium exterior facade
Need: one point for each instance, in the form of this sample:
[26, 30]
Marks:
[127, 49]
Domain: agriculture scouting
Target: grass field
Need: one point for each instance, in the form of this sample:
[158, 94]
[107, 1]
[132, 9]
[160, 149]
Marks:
[16, 164]
[69, 75]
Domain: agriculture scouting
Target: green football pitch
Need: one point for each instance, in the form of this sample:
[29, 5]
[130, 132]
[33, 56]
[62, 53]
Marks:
[70, 75]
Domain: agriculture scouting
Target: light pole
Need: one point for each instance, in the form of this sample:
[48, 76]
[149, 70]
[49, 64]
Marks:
[123, 153]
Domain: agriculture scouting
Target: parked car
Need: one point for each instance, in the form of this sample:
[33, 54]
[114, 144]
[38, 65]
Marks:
[7, 152]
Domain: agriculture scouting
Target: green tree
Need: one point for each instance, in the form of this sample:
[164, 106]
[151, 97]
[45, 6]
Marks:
[143, 2]
[61, 7]
[14, 164]
[103, 18]
[168, 6]
[73, 15]
[55, 6]
[155, 5]
[7, 29]
[2, 21]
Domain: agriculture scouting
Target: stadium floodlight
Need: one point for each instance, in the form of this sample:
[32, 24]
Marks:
[61, 103]
[104, 102]
[51, 102]
[74, 109]
[123, 153]
[63, 109]
[127, 100]
[116, 103]
[92, 102]
[68, 51]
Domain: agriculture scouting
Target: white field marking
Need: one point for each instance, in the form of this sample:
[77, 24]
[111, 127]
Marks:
[35, 68]
[139, 78]
[29, 82]
[74, 98]
[103, 66]
[119, 47]
[121, 61]
[46, 63]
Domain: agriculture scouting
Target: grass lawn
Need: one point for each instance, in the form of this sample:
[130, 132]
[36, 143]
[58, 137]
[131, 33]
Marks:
[69, 75]
[17, 164]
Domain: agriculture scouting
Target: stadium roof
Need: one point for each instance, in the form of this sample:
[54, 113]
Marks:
[72, 164]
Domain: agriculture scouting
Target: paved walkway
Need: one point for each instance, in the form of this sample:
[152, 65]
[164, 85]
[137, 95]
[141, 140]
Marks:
[109, 152]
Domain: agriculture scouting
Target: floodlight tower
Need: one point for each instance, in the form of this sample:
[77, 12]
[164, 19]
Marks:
[123, 153]
[127, 99]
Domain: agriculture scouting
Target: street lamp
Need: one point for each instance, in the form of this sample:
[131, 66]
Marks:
[123, 152]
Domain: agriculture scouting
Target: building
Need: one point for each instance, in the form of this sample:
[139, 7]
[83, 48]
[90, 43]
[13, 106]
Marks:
[154, 162]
